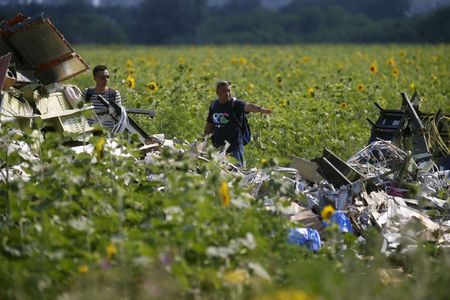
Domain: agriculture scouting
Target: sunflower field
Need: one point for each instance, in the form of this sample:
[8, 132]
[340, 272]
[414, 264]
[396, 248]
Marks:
[84, 226]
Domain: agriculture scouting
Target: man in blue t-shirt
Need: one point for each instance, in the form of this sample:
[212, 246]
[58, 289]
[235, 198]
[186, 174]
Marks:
[223, 117]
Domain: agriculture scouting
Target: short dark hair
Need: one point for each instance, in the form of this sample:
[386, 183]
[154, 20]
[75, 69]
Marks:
[99, 68]
[222, 83]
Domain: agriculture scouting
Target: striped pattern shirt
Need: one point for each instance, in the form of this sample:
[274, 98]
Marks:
[99, 108]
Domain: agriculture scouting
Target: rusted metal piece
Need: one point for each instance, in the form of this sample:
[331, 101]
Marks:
[51, 61]
[4, 63]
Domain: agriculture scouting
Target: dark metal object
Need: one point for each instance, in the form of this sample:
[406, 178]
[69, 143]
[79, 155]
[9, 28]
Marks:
[138, 111]
[389, 125]
[335, 170]
[132, 127]
[405, 128]
[420, 149]
[331, 173]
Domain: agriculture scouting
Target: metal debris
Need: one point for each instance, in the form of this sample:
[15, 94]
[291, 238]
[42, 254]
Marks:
[34, 60]
[399, 187]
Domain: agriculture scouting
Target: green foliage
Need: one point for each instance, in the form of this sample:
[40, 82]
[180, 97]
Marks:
[91, 226]
[277, 77]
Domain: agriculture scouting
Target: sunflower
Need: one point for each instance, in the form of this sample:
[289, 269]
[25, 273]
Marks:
[131, 83]
[83, 269]
[279, 78]
[152, 87]
[327, 212]
[360, 87]
[395, 72]
[311, 92]
[111, 250]
[129, 63]
[343, 105]
[234, 61]
[402, 53]
[373, 68]
[289, 294]
[225, 194]
[100, 148]
[242, 61]
[305, 59]
[391, 61]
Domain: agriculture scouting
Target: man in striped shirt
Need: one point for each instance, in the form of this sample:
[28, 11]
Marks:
[101, 76]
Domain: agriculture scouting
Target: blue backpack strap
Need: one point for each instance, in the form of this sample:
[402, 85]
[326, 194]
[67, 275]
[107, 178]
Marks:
[243, 124]
[213, 105]
[238, 120]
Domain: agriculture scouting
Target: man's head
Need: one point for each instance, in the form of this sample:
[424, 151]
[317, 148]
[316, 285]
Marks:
[223, 90]
[101, 75]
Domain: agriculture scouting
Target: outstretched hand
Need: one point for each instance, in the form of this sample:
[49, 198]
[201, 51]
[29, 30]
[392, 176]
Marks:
[255, 108]
[266, 111]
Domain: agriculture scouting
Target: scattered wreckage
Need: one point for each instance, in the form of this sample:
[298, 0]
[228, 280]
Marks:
[400, 179]
[399, 183]
[34, 60]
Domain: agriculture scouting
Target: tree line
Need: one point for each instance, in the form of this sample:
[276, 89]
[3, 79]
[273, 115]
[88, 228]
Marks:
[242, 21]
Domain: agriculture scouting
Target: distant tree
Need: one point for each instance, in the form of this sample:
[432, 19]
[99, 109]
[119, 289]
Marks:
[382, 9]
[434, 27]
[77, 20]
[92, 28]
[240, 21]
[159, 21]
[375, 9]
[259, 26]
[233, 6]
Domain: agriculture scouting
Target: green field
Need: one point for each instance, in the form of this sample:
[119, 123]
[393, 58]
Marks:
[279, 77]
[84, 229]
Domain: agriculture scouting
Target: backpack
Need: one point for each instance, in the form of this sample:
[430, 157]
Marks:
[246, 132]
[90, 91]
[243, 124]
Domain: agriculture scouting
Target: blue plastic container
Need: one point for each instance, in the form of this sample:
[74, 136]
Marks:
[343, 222]
[306, 237]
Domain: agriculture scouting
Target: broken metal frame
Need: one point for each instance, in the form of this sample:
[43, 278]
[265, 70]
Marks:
[132, 127]
[391, 126]
[45, 63]
[420, 149]
[335, 170]
[50, 62]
